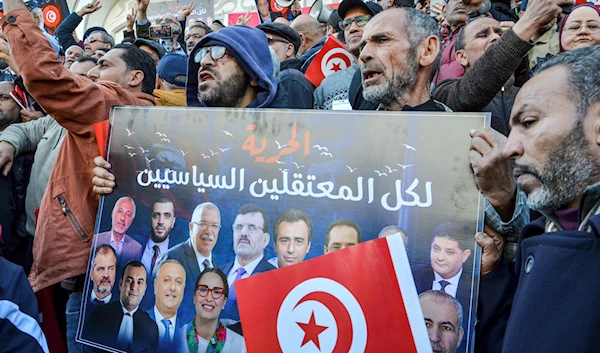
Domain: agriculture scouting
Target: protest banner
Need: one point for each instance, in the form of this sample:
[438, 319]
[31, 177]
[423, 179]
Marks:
[204, 10]
[350, 174]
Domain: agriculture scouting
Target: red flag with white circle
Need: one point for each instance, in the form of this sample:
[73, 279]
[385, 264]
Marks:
[360, 299]
[333, 57]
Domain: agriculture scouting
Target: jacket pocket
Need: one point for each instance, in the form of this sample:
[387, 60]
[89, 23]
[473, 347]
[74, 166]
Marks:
[67, 213]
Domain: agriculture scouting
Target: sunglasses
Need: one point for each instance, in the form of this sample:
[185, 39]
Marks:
[92, 40]
[272, 39]
[216, 53]
[361, 21]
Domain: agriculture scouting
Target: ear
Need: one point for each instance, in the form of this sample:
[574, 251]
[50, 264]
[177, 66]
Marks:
[266, 240]
[289, 50]
[135, 78]
[461, 57]
[465, 255]
[308, 248]
[325, 250]
[593, 112]
[461, 332]
[302, 39]
[191, 226]
[390, 4]
[253, 83]
[430, 50]
[159, 82]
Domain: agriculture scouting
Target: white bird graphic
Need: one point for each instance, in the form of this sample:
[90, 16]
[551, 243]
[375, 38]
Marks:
[161, 134]
[129, 147]
[390, 170]
[283, 170]
[166, 140]
[183, 153]
[129, 133]
[143, 150]
[132, 154]
[298, 166]
[212, 153]
[280, 146]
[205, 156]
[380, 173]
[404, 166]
[149, 160]
[280, 162]
[227, 133]
[326, 154]
[409, 147]
[321, 148]
[224, 149]
[351, 170]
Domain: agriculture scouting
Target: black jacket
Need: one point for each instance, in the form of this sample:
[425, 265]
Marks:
[298, 88]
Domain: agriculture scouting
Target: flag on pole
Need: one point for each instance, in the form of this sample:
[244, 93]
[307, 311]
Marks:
[333, 57]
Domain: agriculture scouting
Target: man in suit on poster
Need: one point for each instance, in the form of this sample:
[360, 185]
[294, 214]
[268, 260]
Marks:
[195, 254]
[169, 285]
[443, 316]
[102, 276]
[449, 251]
[250, 238]
[121, 324]
[126, 247]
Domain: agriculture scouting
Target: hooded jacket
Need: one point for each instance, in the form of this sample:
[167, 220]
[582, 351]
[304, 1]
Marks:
[249, 47]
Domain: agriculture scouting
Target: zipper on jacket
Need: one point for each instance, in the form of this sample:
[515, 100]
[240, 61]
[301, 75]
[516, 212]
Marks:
[67, 211]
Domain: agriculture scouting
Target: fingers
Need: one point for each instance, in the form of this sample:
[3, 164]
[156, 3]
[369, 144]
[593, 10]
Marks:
[102, 190]
[7, 168]
[497, 238]
[490, 256]
[101, 162]
[485, 241]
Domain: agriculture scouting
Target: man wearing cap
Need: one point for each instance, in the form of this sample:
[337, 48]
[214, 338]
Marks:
[170, 86]
[232, 68]
[155, 50]
[64, 32]
[285, 42]
[333, 91]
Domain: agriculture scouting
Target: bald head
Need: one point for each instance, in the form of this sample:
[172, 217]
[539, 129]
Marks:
[310, 31]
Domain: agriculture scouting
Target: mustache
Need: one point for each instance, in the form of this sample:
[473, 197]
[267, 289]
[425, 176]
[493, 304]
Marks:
[525, 169]
[209, 70]
[245, 238]
[207, 237]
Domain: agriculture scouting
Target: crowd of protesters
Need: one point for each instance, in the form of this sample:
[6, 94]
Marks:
[533, 64]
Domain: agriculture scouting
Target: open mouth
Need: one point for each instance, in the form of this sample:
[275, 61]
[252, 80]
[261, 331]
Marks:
[205, 76]
[370, 75]
[208, 307]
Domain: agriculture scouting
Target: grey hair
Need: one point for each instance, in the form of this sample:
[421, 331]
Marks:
[107, 38]
[168, 261]
[420, 26]
[201, 207]
[441, 296]
[275, 62]
[124, 198]
[583, 78]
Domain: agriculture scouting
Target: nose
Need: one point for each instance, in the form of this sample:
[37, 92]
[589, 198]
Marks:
[440, 256]
[434, 335]
[290, 248]
[207, 60]
[366, 54]
[513, 148]
[94, 73]
[353, 27]
[494, 37]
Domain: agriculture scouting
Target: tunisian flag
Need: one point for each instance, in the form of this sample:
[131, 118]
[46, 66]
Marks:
[360, 299]
[333, 57]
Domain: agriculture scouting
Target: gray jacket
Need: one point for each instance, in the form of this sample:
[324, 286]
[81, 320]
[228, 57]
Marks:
[44, 137]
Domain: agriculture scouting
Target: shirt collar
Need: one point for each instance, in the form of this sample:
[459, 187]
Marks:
[249, 267]
[125, 310]
[163, 247]
[453, 280]
[160, 318]
[105, 300]
[112, 238]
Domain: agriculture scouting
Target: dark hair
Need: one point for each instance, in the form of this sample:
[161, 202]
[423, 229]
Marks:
[163, 199]
[291, 216]
[404, 3]
[218, 22]
[456, 232]
[583, 77]
[83, 59]
[202, 25]
[334, 21]
[105, 50]
[460, 39]
[134, 263]
[128, 40]
[137, 59]
[220, 274]
[250, 208]
[104, 249]
[342, 222]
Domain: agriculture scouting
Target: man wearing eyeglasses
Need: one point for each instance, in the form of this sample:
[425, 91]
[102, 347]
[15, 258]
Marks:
[97, 40]
[194, 34]
[232, 68]
[250, 238]
[333, 91]
[195, 254]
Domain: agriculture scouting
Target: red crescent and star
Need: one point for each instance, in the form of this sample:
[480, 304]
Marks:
[312, 330]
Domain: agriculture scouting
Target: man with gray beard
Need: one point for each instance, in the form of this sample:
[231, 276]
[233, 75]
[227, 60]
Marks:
[555, 144]
[397, 62]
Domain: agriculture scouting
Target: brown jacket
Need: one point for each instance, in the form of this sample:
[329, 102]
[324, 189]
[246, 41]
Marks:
[67, 215]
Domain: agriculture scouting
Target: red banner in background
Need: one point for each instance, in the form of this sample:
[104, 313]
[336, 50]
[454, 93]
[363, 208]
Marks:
[334, 303]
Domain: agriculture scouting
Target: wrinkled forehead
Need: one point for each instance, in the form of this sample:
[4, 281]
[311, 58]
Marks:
[438, 310]
[380, 23]
[479, 25]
